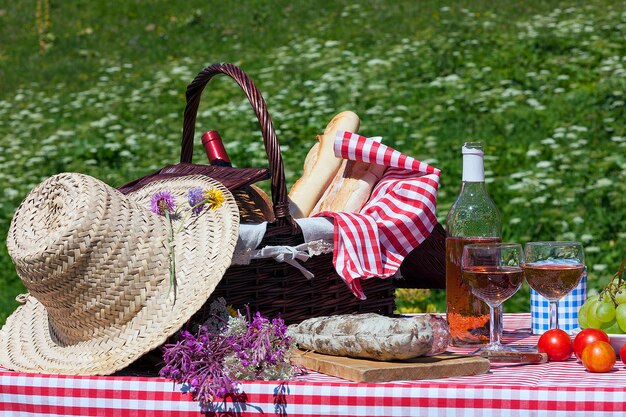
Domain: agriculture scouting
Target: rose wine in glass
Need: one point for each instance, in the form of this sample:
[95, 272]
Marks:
[553, 269]
[493, 272]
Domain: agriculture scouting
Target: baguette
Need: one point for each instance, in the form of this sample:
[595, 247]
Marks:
[320, 166]
[351, 187]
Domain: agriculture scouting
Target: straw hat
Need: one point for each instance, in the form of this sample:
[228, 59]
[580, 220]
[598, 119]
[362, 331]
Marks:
[96, 265]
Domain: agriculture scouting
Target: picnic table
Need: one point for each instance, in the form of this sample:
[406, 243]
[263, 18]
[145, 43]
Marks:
[554, 389]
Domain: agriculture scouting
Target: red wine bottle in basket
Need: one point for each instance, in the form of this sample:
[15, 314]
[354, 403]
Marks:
[255, 206]
[473, 218]
[214, 147]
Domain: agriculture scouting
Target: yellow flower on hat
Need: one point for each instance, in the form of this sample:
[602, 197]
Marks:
[214, 198]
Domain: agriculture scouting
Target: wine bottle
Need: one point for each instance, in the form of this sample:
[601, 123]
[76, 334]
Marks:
[214, 147]
[255, 206]
[472, 218]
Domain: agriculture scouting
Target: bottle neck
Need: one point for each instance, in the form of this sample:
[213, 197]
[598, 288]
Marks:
[473, 187]
[473, 168]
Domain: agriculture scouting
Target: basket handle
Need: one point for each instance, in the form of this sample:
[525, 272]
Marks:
[272, 148]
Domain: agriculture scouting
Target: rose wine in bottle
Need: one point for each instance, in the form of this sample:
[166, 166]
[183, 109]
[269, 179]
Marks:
[473, 218]
[214, 147]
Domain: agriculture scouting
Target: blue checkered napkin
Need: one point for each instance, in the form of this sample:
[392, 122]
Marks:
[568, 307]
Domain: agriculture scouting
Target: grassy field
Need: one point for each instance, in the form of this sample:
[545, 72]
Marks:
[98, 87]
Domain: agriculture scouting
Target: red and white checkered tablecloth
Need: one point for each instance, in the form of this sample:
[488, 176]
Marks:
[554, 389]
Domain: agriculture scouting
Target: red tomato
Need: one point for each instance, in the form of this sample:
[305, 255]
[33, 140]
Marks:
[622, 354]
[599, 356]
[587, 337]
[557, 344]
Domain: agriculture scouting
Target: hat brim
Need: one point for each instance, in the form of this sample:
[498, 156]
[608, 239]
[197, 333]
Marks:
[204, 250]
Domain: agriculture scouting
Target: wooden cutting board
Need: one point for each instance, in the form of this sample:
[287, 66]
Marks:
[364, 370]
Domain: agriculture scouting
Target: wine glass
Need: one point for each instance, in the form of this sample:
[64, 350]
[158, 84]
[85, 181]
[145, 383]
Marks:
[553, 269]
[494, 273]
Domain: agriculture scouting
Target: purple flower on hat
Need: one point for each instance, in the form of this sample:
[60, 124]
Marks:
[195, 196]
[162, 202]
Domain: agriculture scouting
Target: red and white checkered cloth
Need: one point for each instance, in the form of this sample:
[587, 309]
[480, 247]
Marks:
[554, 389]
[399, 215]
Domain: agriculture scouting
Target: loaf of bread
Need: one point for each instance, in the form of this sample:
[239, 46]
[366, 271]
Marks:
[320, 166]
[351, 187]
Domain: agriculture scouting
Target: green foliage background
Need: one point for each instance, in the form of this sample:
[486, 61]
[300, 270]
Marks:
[540, 83]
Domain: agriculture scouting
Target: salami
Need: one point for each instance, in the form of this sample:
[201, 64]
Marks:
[441, 335]
[372, 336]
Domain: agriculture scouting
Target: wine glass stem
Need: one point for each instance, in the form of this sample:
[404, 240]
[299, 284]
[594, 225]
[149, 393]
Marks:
[554, 315]
[495, 326]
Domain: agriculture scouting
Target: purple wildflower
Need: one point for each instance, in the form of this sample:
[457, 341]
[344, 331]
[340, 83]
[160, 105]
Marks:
[195, 196]
[249, 347]
[161, 202]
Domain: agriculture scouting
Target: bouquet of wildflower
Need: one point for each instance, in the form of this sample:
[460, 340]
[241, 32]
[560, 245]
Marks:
[164, 203]
[212, 360]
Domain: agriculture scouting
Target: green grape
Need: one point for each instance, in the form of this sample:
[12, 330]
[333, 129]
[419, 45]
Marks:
[605, 311]
[612, 328]
[620, 296]
[606, 298]
[592, 318]
[620, 316]
[588, 302]
[582, 317]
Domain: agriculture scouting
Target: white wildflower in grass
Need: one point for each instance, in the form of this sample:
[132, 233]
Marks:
[534, 103]
[10, 193]
[515, 220]
[578, 220]
[618, 139]
[520, 174]
[569, 236]
[539, 200]
[599, 267]
[533, 152]
[604, 182]
[511, 92]
[518, 200]
[592, 249]
[586, 237]
[517, 186]
[551, 181]
[377, 62]
[544, 164]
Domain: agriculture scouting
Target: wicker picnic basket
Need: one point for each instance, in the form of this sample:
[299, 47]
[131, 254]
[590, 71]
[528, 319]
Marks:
[266, 285]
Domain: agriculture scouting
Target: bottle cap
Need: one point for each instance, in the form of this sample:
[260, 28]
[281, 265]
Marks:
[209, 136]
[473, 148]
[473, 167]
